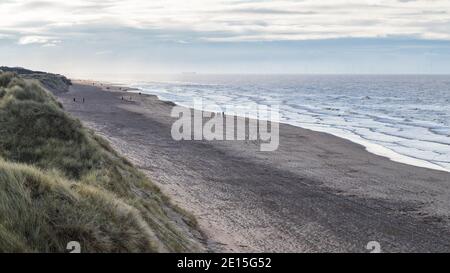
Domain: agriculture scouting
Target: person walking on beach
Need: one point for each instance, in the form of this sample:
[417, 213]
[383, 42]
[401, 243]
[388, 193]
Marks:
[83, 100]
[74, 100]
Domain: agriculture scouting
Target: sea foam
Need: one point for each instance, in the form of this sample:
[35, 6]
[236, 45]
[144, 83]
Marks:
[404, 118]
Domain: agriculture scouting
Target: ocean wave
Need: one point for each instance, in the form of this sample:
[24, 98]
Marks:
[392, 118]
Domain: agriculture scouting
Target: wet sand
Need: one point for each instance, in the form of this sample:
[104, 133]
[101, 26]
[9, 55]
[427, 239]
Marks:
[316, 193]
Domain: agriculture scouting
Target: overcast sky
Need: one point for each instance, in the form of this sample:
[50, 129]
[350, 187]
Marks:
[227, 36]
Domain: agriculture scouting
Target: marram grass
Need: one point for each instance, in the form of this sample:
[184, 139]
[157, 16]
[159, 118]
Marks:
[59, 183]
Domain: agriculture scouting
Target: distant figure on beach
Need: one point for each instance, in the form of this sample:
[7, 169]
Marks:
[139, 93]
[122, 97]
[83, 100]
[74, 100]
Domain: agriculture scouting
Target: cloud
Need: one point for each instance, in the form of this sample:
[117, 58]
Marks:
[26, 40]
[268, 11]
[41, 40]
[219, 20]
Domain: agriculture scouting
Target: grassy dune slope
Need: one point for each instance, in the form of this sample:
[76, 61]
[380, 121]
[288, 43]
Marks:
[53, 82]
[59, 183]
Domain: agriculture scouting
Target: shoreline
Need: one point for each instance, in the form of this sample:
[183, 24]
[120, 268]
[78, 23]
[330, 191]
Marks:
[318, 193]
[370, 147]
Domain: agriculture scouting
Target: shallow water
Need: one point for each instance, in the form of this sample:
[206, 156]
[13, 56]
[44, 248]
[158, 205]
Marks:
[406, 118]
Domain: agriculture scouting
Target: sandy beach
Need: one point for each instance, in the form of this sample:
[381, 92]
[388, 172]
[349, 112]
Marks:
[316, 193]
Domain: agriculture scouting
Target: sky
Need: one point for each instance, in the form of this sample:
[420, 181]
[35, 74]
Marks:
[88, 37]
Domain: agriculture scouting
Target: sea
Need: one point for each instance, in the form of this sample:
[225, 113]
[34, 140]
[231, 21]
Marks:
[403, 117]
